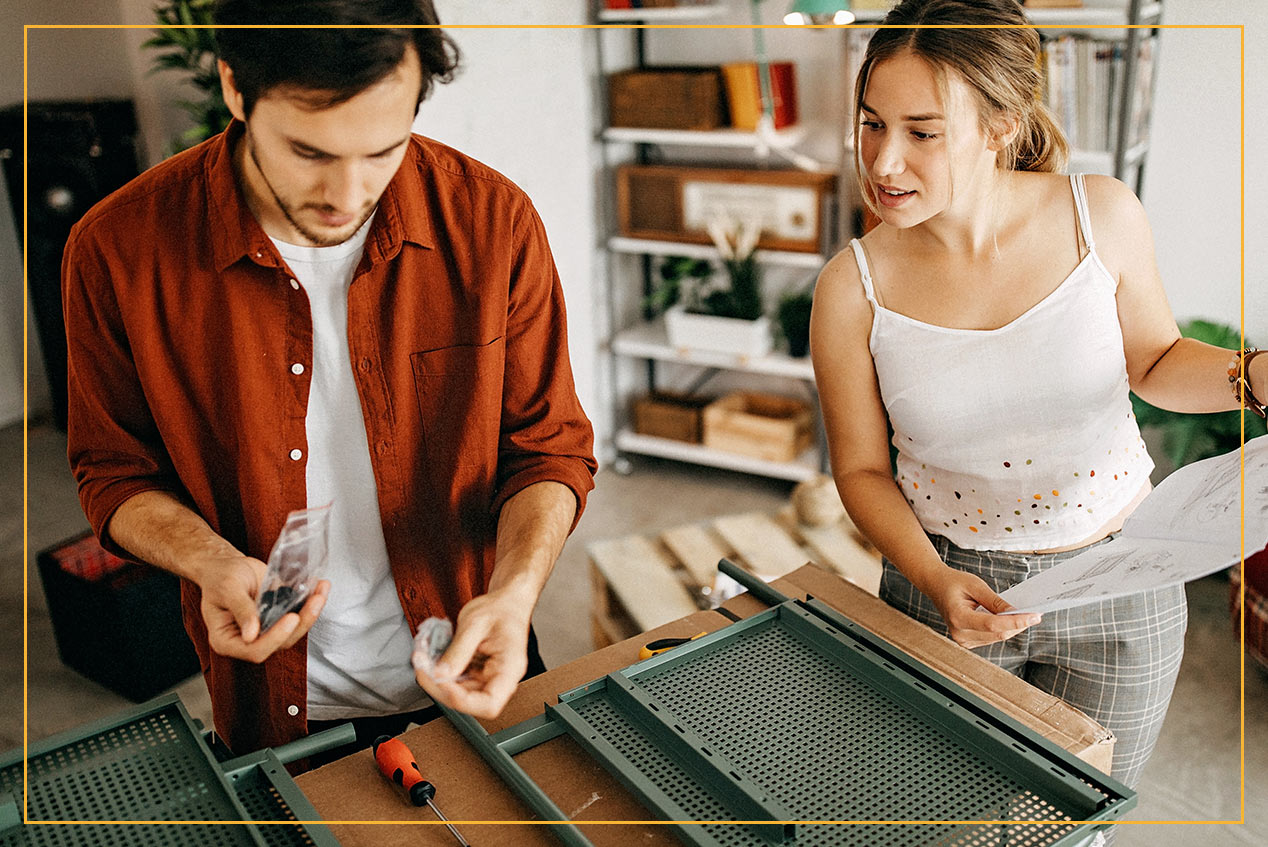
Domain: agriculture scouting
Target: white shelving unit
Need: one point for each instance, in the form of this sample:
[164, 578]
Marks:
[688, 14]
[651, 341]
[802, 468]
[786, 137]
[647, 341]
[649, 247]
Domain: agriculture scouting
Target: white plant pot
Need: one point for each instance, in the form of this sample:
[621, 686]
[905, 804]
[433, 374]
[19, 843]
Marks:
[711, 333]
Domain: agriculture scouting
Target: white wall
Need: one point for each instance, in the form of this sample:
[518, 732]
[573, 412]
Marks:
[521, 103]
[524, 105]
[1191, 189]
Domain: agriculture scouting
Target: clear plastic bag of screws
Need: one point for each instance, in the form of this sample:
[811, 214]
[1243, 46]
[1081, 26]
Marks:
[296, 563]
[431, 642]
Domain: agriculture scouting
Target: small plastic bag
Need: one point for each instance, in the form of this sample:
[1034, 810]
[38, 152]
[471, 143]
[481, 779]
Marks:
[434, 635]
[296, 563]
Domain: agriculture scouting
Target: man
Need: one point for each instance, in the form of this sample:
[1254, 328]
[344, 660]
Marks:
[318, 306]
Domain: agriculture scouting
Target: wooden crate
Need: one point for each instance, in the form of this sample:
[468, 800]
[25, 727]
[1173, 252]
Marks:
[668, 415]
[667, 98]
[764, 426]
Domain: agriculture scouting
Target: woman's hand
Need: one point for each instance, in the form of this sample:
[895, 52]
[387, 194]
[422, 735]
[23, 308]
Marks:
[958, 596]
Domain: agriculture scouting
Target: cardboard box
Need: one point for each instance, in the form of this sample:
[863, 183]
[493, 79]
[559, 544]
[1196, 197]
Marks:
[764, 426]
[667, 98]
[467, 789]
[669, 415]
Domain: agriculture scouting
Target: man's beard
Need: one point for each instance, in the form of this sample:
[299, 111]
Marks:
[315, 239]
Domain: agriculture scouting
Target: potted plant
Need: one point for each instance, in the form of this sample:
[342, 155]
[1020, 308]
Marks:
[682, 279]
[190, 48]
[1190, 438]
[725, 320]
[794, 320]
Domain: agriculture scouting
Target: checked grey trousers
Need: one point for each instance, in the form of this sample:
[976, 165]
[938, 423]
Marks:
[1115, 660]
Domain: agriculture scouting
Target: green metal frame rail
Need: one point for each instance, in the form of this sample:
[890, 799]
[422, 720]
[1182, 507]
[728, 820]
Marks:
[768, 730]
[151, 764]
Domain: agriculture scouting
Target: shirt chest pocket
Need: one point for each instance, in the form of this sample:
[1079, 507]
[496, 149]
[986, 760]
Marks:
[459, 391]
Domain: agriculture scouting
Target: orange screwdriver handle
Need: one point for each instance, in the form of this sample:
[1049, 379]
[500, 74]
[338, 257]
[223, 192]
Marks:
[397, 763]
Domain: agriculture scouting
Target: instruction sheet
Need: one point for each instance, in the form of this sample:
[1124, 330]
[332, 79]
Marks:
[1188, 527]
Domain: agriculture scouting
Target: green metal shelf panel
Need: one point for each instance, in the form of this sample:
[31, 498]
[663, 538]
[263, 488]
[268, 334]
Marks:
[149, 764]
[833, 726]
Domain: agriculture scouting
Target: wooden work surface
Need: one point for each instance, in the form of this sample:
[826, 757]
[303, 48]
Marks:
[350, 792]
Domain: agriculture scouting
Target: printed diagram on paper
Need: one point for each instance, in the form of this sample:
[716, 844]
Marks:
[1188, 527]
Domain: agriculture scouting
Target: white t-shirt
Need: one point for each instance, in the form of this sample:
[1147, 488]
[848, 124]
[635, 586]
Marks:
[359, 649]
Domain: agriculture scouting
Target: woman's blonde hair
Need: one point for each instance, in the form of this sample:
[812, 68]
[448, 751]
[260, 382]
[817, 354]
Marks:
[995, 50]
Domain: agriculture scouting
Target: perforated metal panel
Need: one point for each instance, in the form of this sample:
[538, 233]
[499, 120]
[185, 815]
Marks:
[147, 765]
[264, 802]
[832, 729]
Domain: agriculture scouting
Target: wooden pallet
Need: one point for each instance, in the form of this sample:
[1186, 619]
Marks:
[641, 582]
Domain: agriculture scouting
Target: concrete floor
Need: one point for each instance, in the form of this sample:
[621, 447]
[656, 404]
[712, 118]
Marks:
[1195, 774]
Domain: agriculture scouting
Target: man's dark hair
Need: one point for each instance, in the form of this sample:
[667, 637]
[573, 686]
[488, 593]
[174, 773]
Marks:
[338, 63]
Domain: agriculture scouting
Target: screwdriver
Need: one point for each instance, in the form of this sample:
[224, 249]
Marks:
[396, 762]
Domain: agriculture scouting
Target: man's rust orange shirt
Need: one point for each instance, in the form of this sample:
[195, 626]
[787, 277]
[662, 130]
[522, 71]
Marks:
[184, 323]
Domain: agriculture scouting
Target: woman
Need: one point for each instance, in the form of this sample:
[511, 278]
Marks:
[996, 318]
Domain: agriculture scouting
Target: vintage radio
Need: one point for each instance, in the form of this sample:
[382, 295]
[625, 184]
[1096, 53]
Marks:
[675, 203]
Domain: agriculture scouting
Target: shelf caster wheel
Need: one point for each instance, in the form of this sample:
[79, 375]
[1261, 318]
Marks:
[622, 466]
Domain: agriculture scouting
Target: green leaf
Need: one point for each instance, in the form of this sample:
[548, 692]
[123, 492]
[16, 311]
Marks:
[173, 61]
[180, 37]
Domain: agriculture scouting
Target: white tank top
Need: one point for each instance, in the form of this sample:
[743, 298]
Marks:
[1021, 437]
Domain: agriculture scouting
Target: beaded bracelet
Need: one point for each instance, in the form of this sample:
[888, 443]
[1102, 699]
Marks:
[1239, 378]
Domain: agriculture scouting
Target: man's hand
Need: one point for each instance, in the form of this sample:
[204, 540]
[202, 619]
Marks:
[231, 588]
[156, 527]
[958, 595]
[489, 652]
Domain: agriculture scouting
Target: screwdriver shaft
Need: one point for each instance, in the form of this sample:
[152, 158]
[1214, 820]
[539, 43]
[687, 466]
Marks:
[455, 832]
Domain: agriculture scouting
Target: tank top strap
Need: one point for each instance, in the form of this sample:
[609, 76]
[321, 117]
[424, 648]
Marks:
[1080, 205]
[864, 273]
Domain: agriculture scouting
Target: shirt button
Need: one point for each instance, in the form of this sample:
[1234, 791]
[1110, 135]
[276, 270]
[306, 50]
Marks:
[365, 365]
[292, 710]
[294, 283]
[297, 369]
[382, 447]
[296, 454]
[258, 254]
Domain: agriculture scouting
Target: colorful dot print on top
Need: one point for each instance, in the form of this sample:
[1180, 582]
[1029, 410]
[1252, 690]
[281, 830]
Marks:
[1021, 437]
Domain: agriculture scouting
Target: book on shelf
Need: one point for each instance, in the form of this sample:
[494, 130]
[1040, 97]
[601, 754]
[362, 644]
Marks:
[744, 93]
[1084, 86]
[653, 4]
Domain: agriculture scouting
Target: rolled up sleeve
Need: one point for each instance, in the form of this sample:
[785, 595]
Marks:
[112, 442]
